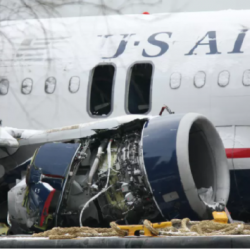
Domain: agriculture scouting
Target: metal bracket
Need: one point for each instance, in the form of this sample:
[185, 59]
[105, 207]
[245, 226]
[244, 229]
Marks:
[165, 107]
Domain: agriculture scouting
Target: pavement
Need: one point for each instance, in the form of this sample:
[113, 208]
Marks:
[24, 241]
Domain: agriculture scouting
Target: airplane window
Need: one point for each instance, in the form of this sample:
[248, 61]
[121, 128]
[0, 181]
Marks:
[4, 86]
[101, 90]
[175, 80]
[246, 78]
[27, 85]
[74, 84]
[223, 79]
[50, 85]
[139, 88]
[199, 79]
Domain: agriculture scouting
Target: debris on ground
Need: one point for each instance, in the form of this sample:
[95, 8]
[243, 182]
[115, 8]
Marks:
[183, 227]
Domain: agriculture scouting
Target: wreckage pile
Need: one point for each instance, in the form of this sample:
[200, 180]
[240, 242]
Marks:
[183, 227]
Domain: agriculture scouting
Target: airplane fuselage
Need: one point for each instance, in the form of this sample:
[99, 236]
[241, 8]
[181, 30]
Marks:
[199, 61]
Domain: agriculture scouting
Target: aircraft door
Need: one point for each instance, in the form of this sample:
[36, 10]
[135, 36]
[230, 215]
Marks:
[239, 156]
[241, 152]
[227, 136]
[236, 140]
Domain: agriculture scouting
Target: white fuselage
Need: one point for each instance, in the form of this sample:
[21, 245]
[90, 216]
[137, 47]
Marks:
[67, 47]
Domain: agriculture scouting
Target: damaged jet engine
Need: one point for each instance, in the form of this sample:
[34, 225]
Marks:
[151, 168]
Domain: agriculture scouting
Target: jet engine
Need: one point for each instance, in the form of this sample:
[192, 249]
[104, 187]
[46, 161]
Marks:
[155, 168]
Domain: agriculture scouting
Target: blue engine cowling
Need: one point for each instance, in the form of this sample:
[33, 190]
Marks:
[184, 155]
[175, 164]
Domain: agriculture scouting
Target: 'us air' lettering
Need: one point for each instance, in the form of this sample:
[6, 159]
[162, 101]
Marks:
[164, 46]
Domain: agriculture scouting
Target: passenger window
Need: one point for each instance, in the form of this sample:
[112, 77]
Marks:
[223, 79]
[4, 86]
[74, 84]
[50, 85]
[139, 88]
[175, 80]
[101, 90]
[27, 86]
[199, 79]
[246, 78]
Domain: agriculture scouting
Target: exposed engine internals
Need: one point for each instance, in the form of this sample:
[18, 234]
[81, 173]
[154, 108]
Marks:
[125, 174]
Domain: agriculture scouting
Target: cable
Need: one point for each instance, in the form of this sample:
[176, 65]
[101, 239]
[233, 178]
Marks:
[87, 203]
[109, 161]
[105, 188]
[96, 161]
[8, 220]
[115, 170]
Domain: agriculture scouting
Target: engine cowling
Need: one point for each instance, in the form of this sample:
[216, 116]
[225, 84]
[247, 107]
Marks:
[183, 154]
[150, 168]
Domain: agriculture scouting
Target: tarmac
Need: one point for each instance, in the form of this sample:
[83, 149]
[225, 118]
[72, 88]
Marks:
[230, 241]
